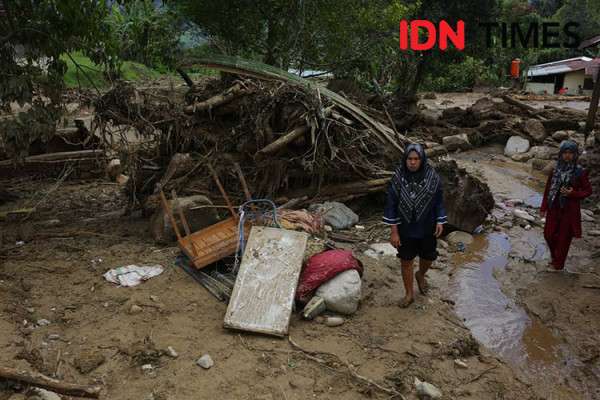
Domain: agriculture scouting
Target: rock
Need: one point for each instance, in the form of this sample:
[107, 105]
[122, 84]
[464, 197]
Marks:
[154, 298]
[42, 322]
[461, 364]
[457, 142]
[559, 136]
[507, 224]
[205, 362]
[587, 212]
[336, 214]
[535, 129]
[197, 216]
[523, 215]
[147, 367]
[342, 293]
[436, 151]
[522, 157]
[516, 145]
[135, 309]
[54, 336]
[541, 165]
[587, 218]
[461, 192]
[113, 169]
[334, 321]
[88, 362]
[544, 152]
[443, 244]
[384, 249]
[171, 352]
[456, 237]
[359, 227]
[314, 307]
[594, 233]
[484, 104]
[45, 394]
[122, 180]
[371, 253]
[426, 390]
[328, 228]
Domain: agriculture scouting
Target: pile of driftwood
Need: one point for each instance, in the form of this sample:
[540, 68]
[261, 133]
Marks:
[291, 139]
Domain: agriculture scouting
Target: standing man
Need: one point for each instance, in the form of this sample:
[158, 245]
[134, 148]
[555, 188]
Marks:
[567, 185]
[414, 208]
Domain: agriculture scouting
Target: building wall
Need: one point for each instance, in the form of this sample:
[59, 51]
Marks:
[539, 88]
[573, 80]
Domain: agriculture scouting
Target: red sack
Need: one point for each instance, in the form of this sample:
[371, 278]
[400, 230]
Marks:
[322, 267]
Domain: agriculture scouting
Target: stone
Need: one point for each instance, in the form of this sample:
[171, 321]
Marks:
[342, 293]
[426, 390]
[443, 244]
[44, 394]
[559, 136]
[171, 352]
[336, 214]
[135, 309]
[86, 363]
[594, 233]
[42, 322]
[460, 364]
[541, 165]
[197, 215]
[113, 169]
[54, 336]
[384, 249]
[544, 152]
[456, 237]
[523, 215]
[147, 367]
[523, 157]
[535, 129]
[334, 321]
[328, 228]
[205, 362]
[436, 151]
[457, 142]
[587, 218]
[315, 307]
[516, 145]
[359, 227]
[122, 180]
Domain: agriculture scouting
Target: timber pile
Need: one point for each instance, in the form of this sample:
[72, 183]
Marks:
[291, 139]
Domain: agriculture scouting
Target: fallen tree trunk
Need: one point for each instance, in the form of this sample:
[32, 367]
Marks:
[283, 141]
[527, 108]
[233, 92]
[42, 381]
[61, 156]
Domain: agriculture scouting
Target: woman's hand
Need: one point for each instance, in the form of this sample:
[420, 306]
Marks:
[395, 239]
[566, 191]
[439, 229]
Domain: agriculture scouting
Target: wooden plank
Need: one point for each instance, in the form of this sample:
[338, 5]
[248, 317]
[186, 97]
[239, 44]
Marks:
[265, 287]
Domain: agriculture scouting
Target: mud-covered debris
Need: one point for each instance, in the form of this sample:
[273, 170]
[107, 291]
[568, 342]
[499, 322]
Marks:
[464, 347]
[88, 362]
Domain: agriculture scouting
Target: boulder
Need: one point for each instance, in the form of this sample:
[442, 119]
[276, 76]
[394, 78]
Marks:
[541, 165]
[523, 157]
[535, 129]
[198, 218]
[457, 142]
[516, 145]
[436, 151]
[559, 136]
[342, 293]
[457, 237]
[544, 152]
[467, 199]
[484, 104]
[336, 214]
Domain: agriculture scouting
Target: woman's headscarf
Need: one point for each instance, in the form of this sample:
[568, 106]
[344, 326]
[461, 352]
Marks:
[415, 190]
[563, 172]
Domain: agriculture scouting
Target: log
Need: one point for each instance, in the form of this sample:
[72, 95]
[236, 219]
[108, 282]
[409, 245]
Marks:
[528, 109]
[283, 141]
[227, 96]
[44, 382]
[60, 156]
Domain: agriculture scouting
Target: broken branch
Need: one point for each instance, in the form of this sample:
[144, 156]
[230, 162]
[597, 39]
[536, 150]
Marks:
[42, 381]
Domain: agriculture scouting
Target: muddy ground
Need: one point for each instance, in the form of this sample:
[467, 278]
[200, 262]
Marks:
[523, 333]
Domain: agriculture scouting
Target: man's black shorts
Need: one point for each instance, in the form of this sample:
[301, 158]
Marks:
[425, 248]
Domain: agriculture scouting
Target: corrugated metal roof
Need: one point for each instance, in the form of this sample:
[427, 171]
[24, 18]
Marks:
[563, 66]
